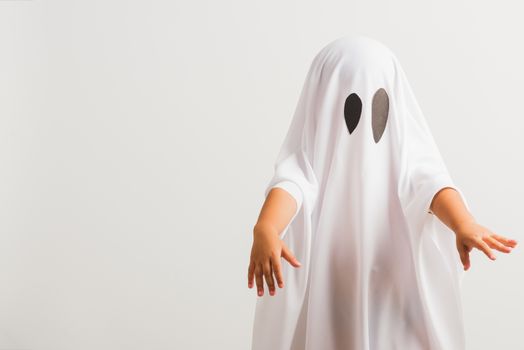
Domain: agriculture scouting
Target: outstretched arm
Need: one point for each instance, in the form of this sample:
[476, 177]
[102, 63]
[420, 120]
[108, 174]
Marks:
[276, 213]
[448, 206]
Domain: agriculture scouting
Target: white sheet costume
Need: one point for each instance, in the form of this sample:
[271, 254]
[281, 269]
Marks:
[379, 270]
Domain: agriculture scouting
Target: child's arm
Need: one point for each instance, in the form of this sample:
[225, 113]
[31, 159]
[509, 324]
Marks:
[448, 206]
[276, 213]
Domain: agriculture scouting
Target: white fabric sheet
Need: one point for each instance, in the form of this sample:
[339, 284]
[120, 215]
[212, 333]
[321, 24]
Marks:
[379, 270]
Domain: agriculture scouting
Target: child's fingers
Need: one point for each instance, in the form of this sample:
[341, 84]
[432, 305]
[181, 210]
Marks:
[466, 257]
[504, 240]
[286, 254]
[269, 277]
[250, 274]
[464, 254]
[276, 265]
[483, 246]
[493, 243]
[258, 279]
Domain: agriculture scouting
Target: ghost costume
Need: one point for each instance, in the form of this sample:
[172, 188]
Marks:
[379, 269]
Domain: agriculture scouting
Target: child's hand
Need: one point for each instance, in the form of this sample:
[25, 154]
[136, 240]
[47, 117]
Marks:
[265, 259]
[472, 235]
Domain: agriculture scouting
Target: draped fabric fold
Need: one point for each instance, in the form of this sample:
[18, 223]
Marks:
[379, 270]
[293, 171]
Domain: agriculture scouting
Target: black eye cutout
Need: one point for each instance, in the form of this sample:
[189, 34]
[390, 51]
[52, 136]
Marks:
[352, 111]
[379, 112]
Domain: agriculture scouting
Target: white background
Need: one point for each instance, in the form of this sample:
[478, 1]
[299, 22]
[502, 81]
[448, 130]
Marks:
[137, 137]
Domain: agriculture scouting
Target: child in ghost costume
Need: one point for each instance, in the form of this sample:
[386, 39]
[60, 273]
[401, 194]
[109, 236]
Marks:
[352, 207]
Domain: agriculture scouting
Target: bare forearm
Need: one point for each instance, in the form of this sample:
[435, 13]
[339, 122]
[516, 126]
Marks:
[268, 247]
[449, 207]
[277, 211]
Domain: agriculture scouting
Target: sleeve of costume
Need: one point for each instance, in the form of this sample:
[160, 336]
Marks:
[293, 172]
[293, 169]
[438, 267]
[424, 172]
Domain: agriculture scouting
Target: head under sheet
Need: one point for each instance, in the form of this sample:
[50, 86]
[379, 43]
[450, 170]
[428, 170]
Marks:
[379, 270]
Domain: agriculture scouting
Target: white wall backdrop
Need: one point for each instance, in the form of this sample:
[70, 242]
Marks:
[136, 139]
